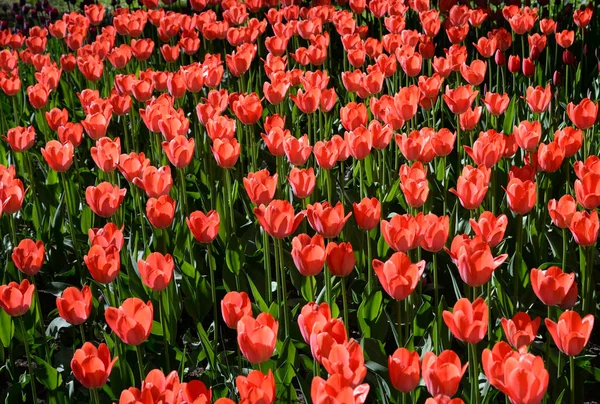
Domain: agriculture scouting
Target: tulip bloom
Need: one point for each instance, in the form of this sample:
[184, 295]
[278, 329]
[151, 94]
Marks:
[337, 391]
[28, 256]
[313, 317]
[91, 366]
[108, 235]
[226, 152]
[104, 264]
[520, 195]
[490, 228]
[326, 219]
[587, 190]
[405, 370]
[340, 258]
[414, 184]
[75, 306]
[257, 337]
[302, 181]
[475, 261]
[257, 387]
[398, 276]
[571, 333]
[520, 330]
[20, 138]
[496, 104]
[402, 232]
[434, 231]
[584, 227]
[308, 254]
[472, 185]
[160, 211]
[260, 186]
[132, 321]
[552, 286]
[528, 135]
[348, 361]
[59, 156]
[234, 306]
[204, 227]
[106, 153]
[104, 199]
[459, 99]
[367, 213]
[538, 98]
[179, 150]
[562, 211]
[278, 218]
[442, 373]
[15, 298]
[156, 271]
[469, 321]
[584, 114]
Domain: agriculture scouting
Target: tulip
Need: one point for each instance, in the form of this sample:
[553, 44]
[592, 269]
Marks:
[353, 115]
[442, 373]
[156, 271]
[488, 149]
[257, 337]
[552, 286]
[257, 387]
[570, 140]
[28, 256]
[313, 317]
[550, 157]
[337, 391]
[398, 276]
[132, 322]
[340, 258]
[204, 227]
[278, 218]
[442, 142]
[414, 184]
[460, 99]
[59, 156]
[587, 190]
[469, 321]
[571, 333]
[105, 199]
[442, 399]
[234, 306]
[260, 186]
[108, 235]
[528, 135]
[521, 195]
[584, 114]
[106, 153]
[297, 150]
[132, 165]
[91, 366]
[490, 228]
[434, 231]
[360, 142]
[160, 211]
[15, 298]
[538, 98]
[475, 261]
[402, 232]
[520, 330]
[302, 181]
[75, 306]
[405, 370]
[367, 213]
[496, 104]
[472, 185]
[226, 152]
[20, 138]
[70, 132]
[326, 219]
[104, 264]
[308, 254]
[348, 361]
[179, 150]
[562, 211]
[584, 227]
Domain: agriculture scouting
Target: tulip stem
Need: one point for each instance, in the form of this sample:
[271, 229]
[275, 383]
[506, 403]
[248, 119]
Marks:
[66, 186]
[138, 349]
[182, 190]
[96, 395]
[29, 362]
[268, 277]
[82, 332]
[213, 291]
[564, 249]
[277, 279]
[369, 265]
[399, 318]
[360, 179]
[163, 323]
[286, 319]
[475, 365]
[36, 200]
[436, 300]
[572, 379]
[345, 305]
[230, 200]
[517, 263]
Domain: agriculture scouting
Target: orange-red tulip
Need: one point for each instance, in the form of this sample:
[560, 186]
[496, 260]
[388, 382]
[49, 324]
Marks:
[434, 231]
[571, 333]
[402, 232]
[528, 135]
[156, 271]
[367, 213]
[496, 104]
[75, 306]
[15, 299]
[297, 150]
[104, 264]
[326, 219]
[110, 234]
[91, 366]
[132, 322]
[472, 185]
[562, 211]
[59, 156]
[313, 317]
[234, 306]
[260, 186]
[308, 254]
[257, 337]
[302, 181]
[442, 373]
[459, 99]
[335, 390]
[106, 153]
[257, 387]
[520, 330]
[20, 138]
[340, 259]
[553, 286]
[104, 199]
[204, 227]
[538, 98]
[179, 150]
[398, 276]
[160, 211]
[28, 256]
[414, 184]
[348, 361]
[405, 370]
[155, 181]
[468, 321]
[587, 190]
[226, 152]
[521, 195]
[490, 228]
[584, 114]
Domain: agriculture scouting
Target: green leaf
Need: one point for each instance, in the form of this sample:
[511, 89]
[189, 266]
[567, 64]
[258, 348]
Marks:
[509, 116]
[235, 255]
[46, 374]
[7, 328]
[369, 311]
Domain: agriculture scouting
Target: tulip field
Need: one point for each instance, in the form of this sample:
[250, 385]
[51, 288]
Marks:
[260, 201]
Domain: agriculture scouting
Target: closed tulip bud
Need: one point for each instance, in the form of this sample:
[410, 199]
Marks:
[308, 254]
[105, 199]
[104, 264]
[337, 390]
[557, 79]
[257, 387]
[514, 64]
[204, 227]
[398, 276]
[367, 213]
[340, 259]
[132, 322]
[302, 181]
[571, 333]
[521, 195]
[108, 235]
[500, 58]
[156, 271]
[520, 330]
[528, 67]
[92, 366]
[257, 337]
[469, 321]
[15, 298]
[442, 373]
[75, 306]
[28, 256]
[584, 227]
[490, 228]
[405, 370]
[326, 219]
[20, 138]
[234, 306]
[160, 211]
[568, 58]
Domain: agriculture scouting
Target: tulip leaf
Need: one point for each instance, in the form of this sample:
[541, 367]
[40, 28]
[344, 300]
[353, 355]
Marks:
[235, 256]
[210, 353]
[369, 311]
[7, 328]
[46, 374]
[509, 116]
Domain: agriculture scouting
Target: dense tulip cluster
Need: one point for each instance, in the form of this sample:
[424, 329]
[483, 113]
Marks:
[421, 178]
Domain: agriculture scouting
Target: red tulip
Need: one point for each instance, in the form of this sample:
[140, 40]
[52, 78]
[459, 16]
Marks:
[257, 337]
[398, 276]
[584, 226]
[538, 98]
[28, 256]
[234, 306]
[405, 370]
[297, 150]
[204, 227]
[475, 261]
[348, 361]
[414, 184]
[490, 228]
[562, 211]
[15, 299]
[278, 218]
[340, 258]
[257, 387]
[326, 219]
[75, 306]
[472, 185]
[496, 104]
[260, 186]
[226, 152]
[105, 199]
[570, 140]
[156, 271]
[108, 235]
[91, 366]
[460, 99]
[353, 115]
[160, 211]
[308, 254]
[20, 138]
[553, 286]
[520, 330]
[132, 321]
[337, 391]
[106, 153]
[104, 264]
[434, 231]
[521, 196]
[367, 213]
[571, 333]
[59, 156]
[402, 232]
[584, 114]
[302, 181]
[179, 150]
[469, 321]
[248, 109]
[587, 190]
[442, 373]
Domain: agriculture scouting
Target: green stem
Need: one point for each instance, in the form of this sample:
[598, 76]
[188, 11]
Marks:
[564, 249]
[360, 179]
[286, 319]
[140, 359]
[29, 360]
[518, 258]
[163, 323]
[475, 381]
[36, 200]
[230, 200]
[345, 305]
[436, 299]
[369, 265]
[69, 201]
[399, 320]
[268, 277]
[82, 332]
[572, 379]
[213, 290]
